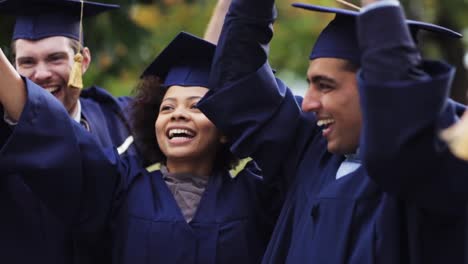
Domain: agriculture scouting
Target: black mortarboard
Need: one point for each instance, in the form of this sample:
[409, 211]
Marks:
[186, 61]
[37, 19]
[339, 38]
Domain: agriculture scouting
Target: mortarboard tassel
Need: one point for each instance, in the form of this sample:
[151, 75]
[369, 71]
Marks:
[75, 79]
[76, 75]
[456, 137]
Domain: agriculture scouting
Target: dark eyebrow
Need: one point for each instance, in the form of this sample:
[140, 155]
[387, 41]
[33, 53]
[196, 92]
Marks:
[188, 98]
[194, 97]
[24, 58]
[48, 56]
[57, 54]
[320, 78]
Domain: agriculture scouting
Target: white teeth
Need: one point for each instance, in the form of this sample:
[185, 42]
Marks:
[325, 122]
[52, 89]
[173, 132]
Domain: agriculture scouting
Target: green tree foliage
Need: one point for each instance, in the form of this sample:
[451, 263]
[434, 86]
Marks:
[132, 38]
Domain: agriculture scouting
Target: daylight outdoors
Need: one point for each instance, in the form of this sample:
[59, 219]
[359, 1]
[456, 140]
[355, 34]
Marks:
[124, 41]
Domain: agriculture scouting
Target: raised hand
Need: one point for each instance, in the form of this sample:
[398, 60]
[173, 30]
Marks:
[12, 89]
[215, 25]
[456, 137]
[367, 2]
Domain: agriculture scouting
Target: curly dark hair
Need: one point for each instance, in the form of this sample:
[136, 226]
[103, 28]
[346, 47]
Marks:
[144, 111]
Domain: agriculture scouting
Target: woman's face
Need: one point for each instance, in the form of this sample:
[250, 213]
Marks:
[183, 132]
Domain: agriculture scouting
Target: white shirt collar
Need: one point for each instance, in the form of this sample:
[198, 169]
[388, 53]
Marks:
[77, 114]
[349, 165]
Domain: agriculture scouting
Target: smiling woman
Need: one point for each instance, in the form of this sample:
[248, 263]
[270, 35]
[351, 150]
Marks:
[185, 134]
[167, 110]
[187, 207]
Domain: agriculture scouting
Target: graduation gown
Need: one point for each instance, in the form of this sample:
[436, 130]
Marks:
[109, 201]
[30, 232]
[414, 152]
[353, 219]
[230, 225]
[107, 116]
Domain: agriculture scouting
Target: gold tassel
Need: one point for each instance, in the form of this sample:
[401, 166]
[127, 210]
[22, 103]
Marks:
[75, 79]
[456, 137]
[76, 74]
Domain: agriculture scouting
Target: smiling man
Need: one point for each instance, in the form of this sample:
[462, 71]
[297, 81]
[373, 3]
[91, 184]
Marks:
[47, 62]
[361, 68]
[333, 97]
[45, 40]
[44, 43]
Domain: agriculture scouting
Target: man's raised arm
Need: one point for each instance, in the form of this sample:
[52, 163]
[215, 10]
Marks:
[12, 89]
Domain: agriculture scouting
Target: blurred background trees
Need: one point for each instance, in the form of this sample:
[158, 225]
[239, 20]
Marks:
[124, 42]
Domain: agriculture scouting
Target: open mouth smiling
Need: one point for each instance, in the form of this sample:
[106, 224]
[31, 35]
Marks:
[325, 123]
[53, 89]
[180, 133]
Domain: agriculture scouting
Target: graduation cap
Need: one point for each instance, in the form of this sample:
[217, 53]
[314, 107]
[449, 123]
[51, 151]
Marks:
[38, 19]
[186, 61]
[339, 38]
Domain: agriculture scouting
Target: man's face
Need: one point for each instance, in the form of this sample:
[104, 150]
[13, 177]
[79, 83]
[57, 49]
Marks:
[333, 96]
[48, 62]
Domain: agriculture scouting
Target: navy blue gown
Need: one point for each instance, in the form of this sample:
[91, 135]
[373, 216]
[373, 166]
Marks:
[358, 218]
[108, 117]
[30, 232]
[109, 201]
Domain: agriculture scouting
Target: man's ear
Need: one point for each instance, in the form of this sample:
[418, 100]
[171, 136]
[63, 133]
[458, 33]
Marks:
[86, 59]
